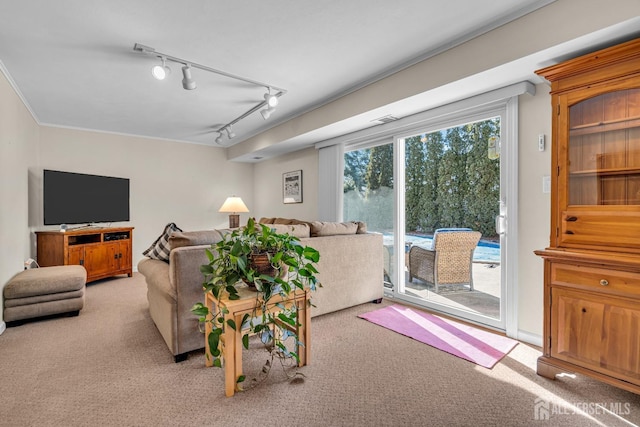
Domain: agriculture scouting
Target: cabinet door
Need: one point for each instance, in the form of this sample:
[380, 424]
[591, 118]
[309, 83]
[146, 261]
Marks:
[75, 255]
[599, 166]
[125, 255]
[597, 332]
[98, 260]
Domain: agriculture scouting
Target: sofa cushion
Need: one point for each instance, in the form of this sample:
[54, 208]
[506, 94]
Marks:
[196, 238]
[322, 228]
[295, 230]
[319, 228]
[286, 221]
[161, 248]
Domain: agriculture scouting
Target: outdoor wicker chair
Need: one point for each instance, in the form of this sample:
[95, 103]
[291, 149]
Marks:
[448, 262]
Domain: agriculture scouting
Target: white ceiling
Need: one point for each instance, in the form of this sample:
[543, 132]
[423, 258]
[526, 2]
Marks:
[73, 61]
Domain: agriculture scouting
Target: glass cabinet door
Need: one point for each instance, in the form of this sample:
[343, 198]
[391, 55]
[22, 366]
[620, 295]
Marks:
[599, 165]
[604, 150]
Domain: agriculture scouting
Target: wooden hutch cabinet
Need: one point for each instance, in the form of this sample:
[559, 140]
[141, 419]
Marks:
[592, 265]
[104, 252]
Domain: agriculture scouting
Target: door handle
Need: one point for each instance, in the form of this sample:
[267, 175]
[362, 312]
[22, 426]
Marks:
[501, 224]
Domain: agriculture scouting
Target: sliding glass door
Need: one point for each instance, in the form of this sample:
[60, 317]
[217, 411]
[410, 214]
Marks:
[451, 202]
[435, 195]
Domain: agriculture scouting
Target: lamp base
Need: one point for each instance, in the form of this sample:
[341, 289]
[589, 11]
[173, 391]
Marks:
[234, 221]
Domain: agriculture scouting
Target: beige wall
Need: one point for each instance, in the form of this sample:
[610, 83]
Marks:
[169, 181]
[533, 206]
[268, 186]
[18, 151]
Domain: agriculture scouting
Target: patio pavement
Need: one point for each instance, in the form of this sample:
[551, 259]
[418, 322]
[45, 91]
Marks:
[483, 300]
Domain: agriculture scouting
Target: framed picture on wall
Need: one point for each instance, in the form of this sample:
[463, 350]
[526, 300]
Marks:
[292, 187]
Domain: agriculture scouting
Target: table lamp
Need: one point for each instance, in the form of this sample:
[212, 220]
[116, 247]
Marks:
[233, 205]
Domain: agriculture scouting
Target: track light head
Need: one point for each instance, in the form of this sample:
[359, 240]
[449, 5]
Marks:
[160, 72]
[230, 133]
[266, 113]
[271, 100]
[219, 138]
[187, 82]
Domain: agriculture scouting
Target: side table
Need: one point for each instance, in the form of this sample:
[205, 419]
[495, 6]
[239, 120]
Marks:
[231, 339]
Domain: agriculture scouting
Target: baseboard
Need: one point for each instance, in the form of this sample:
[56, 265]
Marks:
[3, 326]
[529, 338]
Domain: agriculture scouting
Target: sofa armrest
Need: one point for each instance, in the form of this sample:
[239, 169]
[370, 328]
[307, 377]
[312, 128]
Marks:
[157, 273]
[187, 280]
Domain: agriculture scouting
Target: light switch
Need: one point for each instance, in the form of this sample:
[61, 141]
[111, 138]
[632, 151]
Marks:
[546, 184]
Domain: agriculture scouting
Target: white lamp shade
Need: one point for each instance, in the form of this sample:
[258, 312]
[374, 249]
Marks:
[233, 204]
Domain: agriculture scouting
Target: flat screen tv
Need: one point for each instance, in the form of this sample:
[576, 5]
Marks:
[76, 198]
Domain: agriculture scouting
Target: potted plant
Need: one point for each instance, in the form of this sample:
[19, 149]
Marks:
[271, 263]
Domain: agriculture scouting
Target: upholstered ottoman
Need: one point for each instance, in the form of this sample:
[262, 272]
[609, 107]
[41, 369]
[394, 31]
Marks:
[44, 291]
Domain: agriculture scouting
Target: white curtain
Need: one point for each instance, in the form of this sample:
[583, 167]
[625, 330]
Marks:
[330, 186]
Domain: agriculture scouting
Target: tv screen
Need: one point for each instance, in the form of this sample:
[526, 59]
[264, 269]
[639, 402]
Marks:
[76, 198]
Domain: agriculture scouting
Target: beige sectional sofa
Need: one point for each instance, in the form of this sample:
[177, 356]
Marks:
[350, 270]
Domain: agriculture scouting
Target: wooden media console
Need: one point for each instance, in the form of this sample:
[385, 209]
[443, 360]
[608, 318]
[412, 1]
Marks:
[104, 252]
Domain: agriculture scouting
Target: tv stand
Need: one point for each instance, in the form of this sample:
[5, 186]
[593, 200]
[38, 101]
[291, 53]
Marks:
[104, 252]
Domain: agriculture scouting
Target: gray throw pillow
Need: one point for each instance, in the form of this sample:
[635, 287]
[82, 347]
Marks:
[161, 248]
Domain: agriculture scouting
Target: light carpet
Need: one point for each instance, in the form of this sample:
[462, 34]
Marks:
[110, 367]
[467, 342]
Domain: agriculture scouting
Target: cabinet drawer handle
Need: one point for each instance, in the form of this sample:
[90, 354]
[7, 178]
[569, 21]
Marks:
[568, 232]
[571, 219]
[604, 282]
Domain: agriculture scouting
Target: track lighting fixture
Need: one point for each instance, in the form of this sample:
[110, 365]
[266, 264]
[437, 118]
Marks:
[230, 133]
[272, 100]
[266, 113]
[188, 83]
[160, 72]
[271, 103]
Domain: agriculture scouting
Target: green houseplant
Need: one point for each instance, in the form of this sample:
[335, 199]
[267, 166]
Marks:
[272, 264]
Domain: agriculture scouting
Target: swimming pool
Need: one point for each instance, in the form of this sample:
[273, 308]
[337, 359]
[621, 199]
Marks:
[486, 251]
